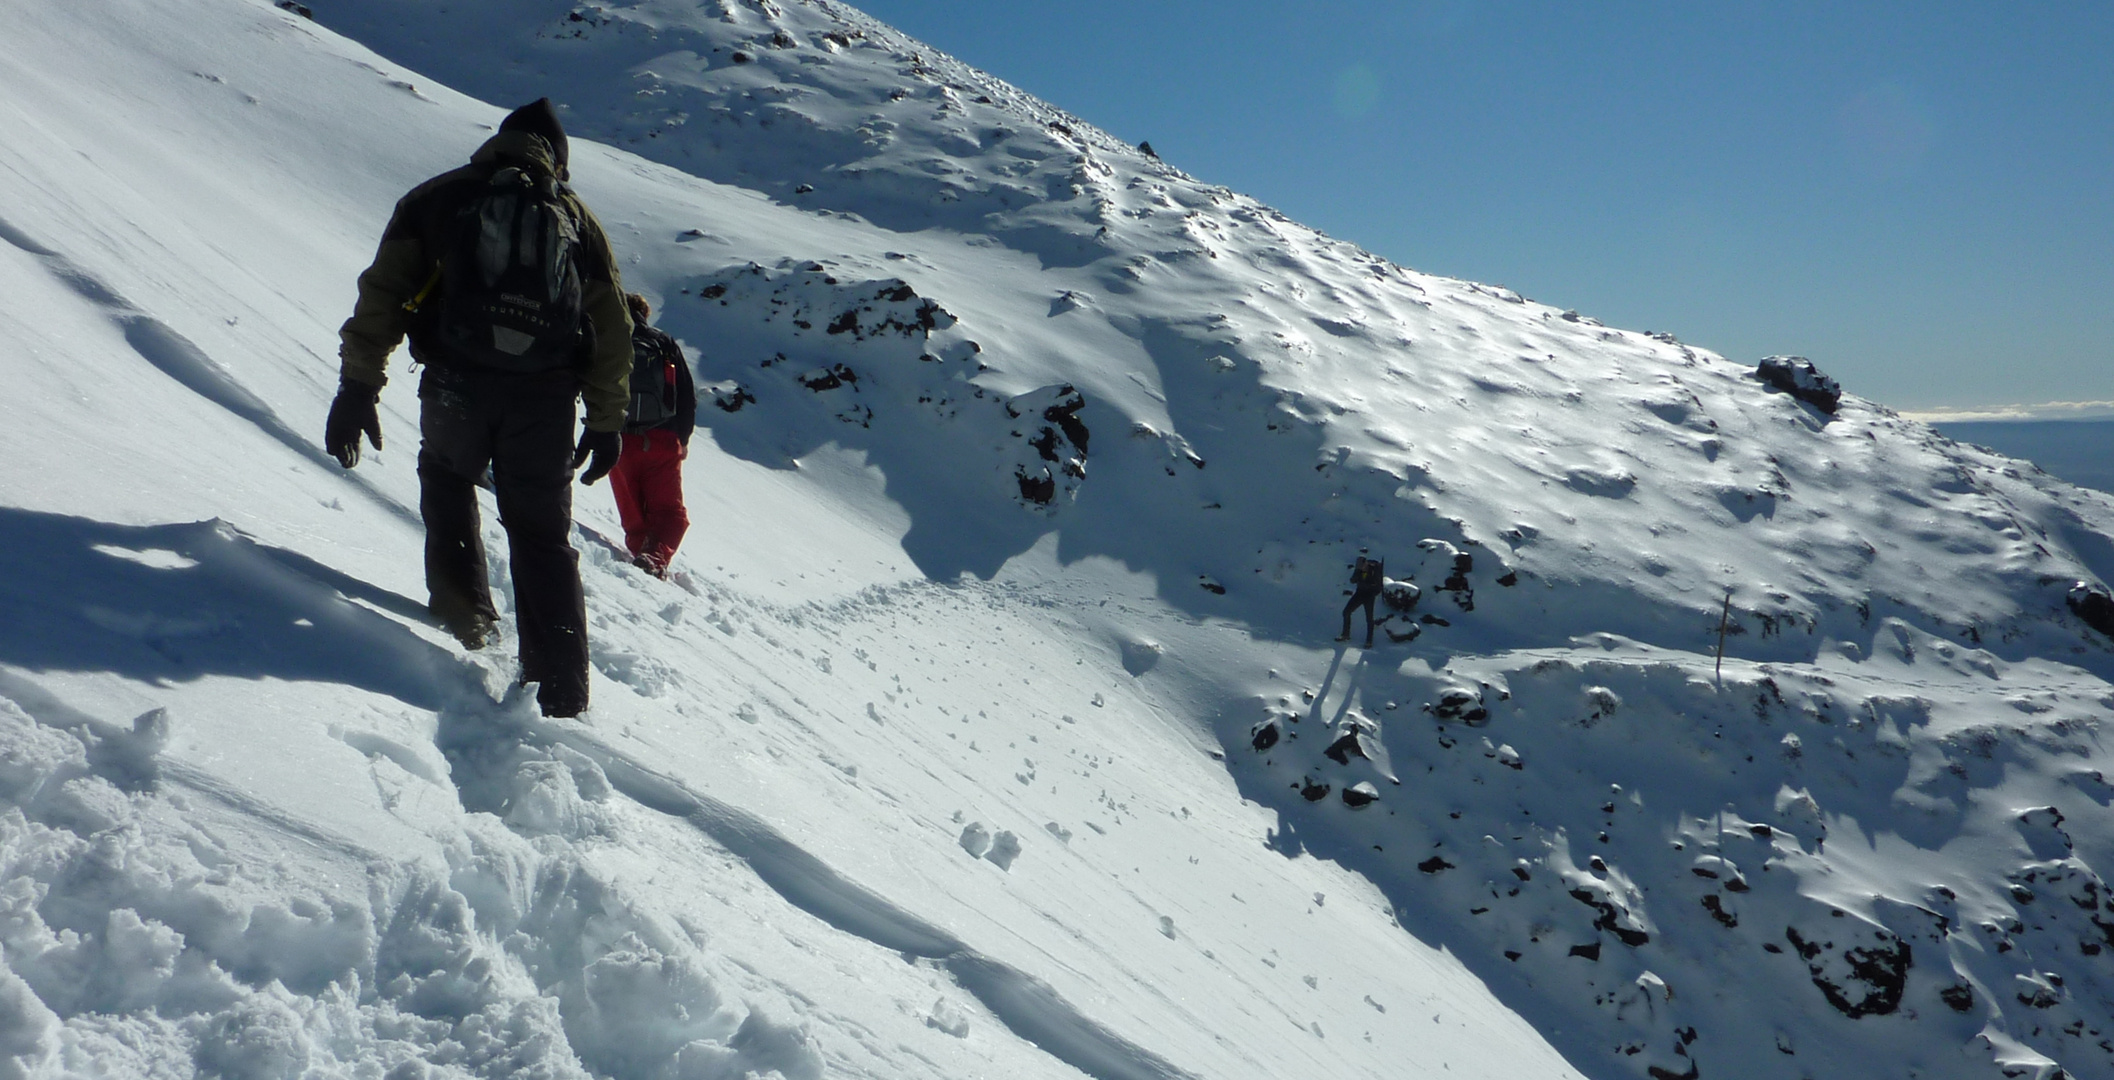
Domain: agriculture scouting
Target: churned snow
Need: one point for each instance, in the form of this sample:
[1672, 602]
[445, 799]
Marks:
[992, 723]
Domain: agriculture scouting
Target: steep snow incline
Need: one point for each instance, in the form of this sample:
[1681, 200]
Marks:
[261, 821]
[1108, 803]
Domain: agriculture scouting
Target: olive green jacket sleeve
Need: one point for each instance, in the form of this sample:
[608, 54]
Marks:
[379, 319]
[605, 383]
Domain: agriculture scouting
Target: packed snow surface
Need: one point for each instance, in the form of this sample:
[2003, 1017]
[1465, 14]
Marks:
[992, 724]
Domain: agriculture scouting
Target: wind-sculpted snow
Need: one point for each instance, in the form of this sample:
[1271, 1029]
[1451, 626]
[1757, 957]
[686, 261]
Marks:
[182, 949]
[171, 900]
[989, 724]
[168, 350]
[192, 600]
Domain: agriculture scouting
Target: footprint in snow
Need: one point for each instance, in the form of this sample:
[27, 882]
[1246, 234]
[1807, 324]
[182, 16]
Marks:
[1005, 847]
[1001, 849]
[947, 1018]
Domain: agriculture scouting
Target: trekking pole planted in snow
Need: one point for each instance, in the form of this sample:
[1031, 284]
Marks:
[1724, 617]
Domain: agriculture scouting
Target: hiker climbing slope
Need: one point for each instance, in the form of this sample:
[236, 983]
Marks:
[648, 479]
[505, 284]
[1367, 578]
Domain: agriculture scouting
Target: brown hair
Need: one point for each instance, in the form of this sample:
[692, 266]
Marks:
[640, 309]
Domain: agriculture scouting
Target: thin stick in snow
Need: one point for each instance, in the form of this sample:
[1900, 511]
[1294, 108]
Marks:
[1723, 617]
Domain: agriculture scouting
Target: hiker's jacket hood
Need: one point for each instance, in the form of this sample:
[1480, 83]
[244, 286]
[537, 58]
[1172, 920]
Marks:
[406, 260]
[540, 117]
[519, 149]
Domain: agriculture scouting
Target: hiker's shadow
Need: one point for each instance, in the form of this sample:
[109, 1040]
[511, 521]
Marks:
[1328, 684]
[172, 603]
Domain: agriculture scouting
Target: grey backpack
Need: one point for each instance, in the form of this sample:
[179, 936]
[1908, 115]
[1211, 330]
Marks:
[653, 359]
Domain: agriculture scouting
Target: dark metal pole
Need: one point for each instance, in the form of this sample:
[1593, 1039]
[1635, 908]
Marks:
[1723, 618]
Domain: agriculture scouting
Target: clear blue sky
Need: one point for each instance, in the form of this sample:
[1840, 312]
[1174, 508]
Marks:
[1919, 196]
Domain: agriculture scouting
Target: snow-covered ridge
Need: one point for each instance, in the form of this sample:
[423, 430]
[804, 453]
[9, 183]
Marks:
[1117, 808]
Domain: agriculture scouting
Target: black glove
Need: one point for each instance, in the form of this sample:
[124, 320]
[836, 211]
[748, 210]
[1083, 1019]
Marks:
[351, 414]
[603, 447]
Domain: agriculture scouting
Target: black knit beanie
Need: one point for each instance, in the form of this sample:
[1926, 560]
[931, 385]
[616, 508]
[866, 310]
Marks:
[540, 117]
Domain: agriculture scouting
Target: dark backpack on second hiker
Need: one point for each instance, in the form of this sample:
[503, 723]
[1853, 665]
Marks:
[1371, 579]
[653, 385]
[511, 296]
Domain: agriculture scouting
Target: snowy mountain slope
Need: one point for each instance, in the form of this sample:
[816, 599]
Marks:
[728, 867]
[290, 865]
[1430, 406]
[1625, 482]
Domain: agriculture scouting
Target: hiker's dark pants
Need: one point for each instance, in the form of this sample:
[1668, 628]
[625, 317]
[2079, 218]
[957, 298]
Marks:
[522, 427]
[1366, 598]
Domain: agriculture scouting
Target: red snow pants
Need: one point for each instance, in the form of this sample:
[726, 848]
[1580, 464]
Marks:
[648, 485]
